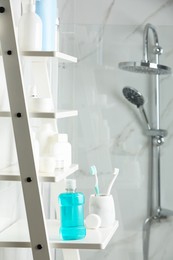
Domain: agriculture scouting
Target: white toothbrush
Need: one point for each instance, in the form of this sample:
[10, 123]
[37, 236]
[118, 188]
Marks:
[115, 173]
[93, 171]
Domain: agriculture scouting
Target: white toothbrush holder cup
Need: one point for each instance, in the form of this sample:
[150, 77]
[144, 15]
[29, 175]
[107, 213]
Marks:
[103, 206]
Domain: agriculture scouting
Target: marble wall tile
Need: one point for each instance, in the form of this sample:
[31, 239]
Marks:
[111, 132]
[136, 12]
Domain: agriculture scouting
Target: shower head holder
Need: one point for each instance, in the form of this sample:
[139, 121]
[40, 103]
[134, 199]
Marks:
[156, 132]
[158, 136]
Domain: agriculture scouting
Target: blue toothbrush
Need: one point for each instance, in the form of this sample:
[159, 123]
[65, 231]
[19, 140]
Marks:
[93, 171]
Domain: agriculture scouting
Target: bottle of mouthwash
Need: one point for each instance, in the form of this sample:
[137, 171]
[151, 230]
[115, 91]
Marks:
[71, 212]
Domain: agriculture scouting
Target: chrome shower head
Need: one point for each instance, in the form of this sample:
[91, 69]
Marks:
[145, 67]
[136, 98]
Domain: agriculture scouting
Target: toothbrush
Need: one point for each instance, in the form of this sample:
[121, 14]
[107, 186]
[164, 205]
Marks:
[93, 171]
[115, 173]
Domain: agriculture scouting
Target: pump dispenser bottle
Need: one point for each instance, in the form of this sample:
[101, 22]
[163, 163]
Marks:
[71, 212]
[30, 29]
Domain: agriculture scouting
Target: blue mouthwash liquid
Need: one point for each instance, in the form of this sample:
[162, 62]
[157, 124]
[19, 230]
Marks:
[72, 213]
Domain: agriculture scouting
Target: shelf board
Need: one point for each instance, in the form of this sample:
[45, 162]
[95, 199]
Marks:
[46, 54]
[17, 235]
[56, 115]
[12, 174]
[59, 174]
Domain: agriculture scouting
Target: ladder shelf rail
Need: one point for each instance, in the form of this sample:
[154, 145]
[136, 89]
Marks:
[19, 115]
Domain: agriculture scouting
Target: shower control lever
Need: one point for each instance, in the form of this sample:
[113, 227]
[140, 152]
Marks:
[156, 132]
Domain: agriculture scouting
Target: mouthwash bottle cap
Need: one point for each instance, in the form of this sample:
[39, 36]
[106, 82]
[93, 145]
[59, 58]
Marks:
[70, 184]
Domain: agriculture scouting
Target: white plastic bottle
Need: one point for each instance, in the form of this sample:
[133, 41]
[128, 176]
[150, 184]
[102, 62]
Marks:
[45, 135]
[62, 151]
[30, 29]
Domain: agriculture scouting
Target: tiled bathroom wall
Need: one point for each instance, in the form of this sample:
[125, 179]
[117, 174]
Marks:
[109, 131]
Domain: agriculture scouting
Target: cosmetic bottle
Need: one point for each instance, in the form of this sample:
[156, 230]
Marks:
[30, 29]
[47, 10]
[44, 135]
[62, 151]
[71, 212]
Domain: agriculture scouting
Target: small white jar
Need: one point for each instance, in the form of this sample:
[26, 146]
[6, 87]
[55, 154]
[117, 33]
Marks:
[40, 104]
[47, 165]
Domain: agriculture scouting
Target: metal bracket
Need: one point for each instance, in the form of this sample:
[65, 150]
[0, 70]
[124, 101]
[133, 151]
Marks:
[156, 132]
[158, 135]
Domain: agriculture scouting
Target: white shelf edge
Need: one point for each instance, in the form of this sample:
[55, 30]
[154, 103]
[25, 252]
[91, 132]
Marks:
[17, 235]
[46, 54]
[59, 174]
[12, 174]
[57, 115]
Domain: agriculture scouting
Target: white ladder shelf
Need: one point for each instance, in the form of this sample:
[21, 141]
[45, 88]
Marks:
[36, 222]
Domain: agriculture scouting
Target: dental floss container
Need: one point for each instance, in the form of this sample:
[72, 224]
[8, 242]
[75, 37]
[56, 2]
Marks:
[93, 221]
[30, 29]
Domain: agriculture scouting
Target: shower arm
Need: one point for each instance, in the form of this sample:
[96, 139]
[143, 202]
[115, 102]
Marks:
[158, 50]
